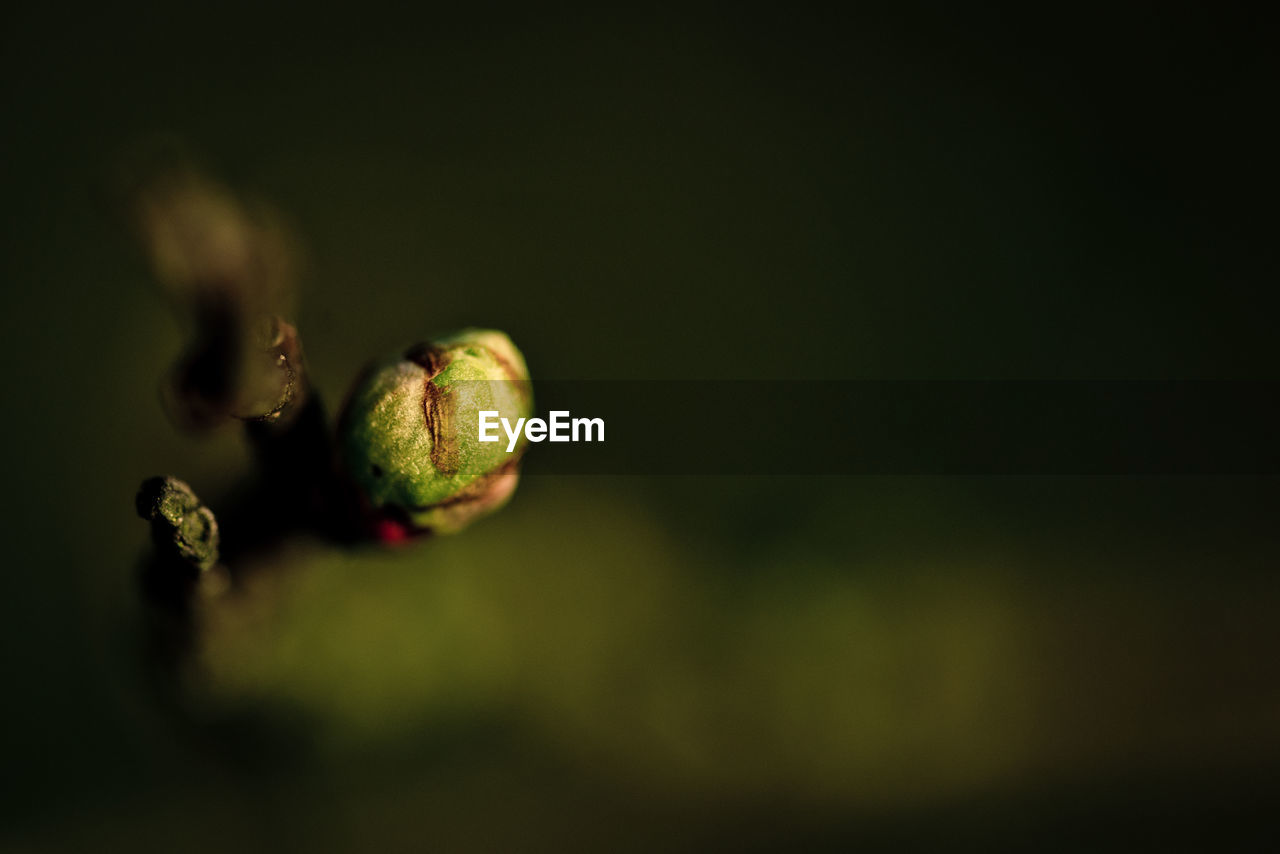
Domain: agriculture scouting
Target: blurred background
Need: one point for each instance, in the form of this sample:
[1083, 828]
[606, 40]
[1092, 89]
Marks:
[626, 663]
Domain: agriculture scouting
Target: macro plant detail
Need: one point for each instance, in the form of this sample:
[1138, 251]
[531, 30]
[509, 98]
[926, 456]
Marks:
[402, 458]
[406, 438]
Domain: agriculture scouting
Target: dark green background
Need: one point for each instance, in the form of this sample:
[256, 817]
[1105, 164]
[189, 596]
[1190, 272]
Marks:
[738, 194]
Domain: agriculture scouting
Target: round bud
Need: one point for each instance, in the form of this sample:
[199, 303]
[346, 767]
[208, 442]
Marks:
[409, 435]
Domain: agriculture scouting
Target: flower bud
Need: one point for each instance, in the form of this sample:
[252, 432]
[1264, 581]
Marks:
[182, 528]
[409, 437]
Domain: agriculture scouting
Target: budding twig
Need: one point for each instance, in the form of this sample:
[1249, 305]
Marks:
[229, 267]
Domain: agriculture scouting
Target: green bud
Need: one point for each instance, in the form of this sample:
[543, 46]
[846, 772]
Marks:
[409, 436]
[181, 526]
